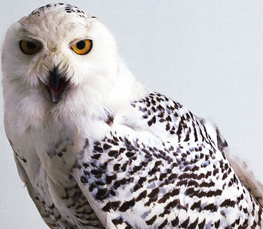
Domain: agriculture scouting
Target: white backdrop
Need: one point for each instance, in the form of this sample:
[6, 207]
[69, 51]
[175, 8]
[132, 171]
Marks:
[205, 54]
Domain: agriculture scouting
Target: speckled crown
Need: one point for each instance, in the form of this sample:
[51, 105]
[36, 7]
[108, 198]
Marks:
[67, 7]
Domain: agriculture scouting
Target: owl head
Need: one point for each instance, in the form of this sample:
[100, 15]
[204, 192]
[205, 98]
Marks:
[55, 57]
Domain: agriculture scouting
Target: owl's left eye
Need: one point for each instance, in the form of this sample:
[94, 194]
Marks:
[29, 47]
[82, 47]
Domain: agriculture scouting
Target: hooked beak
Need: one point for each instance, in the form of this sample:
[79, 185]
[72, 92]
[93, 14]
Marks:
[56, 85]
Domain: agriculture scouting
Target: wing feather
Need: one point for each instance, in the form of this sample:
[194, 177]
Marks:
[240, 167]
[163, 170]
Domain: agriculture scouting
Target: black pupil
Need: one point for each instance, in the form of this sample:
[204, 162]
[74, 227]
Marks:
[81, 45]
[31, 45]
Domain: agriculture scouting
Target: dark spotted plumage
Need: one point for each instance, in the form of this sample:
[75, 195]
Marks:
[174, 177]
[110, 153]
[67, 7]
[182, 182]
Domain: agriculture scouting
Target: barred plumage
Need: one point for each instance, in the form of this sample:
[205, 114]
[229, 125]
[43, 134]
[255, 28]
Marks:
[97, 149]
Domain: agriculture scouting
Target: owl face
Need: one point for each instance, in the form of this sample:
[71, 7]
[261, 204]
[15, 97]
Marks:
[58, 55]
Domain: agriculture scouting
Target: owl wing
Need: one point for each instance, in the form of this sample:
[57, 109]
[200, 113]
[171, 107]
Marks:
[24, 177]
[240, 167]
[159, 167]
[247, 177]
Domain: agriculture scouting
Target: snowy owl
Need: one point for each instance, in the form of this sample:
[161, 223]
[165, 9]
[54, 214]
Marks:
[97, 149]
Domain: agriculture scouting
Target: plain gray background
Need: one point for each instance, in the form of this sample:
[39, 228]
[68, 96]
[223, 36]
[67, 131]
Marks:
[205, 54]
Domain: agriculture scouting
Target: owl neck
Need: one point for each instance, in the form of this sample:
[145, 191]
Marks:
[126, 90]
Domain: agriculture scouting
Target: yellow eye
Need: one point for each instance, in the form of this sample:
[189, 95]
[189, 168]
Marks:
[82, 47]
[29, 47]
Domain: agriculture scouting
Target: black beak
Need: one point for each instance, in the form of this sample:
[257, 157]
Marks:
[57, 84]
